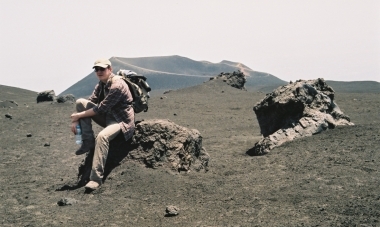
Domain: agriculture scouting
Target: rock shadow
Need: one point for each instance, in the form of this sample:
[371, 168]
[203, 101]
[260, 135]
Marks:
[252, 152]
[118, 151]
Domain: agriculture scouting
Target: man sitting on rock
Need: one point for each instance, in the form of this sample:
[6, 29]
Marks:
[110, 106]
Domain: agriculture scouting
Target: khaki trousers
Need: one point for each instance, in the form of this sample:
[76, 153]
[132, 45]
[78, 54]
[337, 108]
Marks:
[110, 131]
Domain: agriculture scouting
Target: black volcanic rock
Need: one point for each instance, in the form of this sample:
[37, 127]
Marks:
[235, 79]
[171, 211]
[8, 104]
[296, 110]
[65, 98]
[8, 116]
[66, 201]
[162, 142]
[48, 95]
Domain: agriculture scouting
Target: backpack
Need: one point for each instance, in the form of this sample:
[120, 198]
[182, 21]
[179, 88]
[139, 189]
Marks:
[139, 89]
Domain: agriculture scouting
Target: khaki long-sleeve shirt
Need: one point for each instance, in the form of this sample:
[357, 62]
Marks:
[115, 99]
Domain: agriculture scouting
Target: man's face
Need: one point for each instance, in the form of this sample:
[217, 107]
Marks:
[102, 73]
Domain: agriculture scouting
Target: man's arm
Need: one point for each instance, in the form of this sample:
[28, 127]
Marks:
[87, 113]
[114, 96]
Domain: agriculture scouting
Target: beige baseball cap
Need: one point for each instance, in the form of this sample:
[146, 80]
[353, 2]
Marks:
[103, 62]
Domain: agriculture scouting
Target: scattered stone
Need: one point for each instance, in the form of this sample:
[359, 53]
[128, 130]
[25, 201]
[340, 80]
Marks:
[171, 211]
[235, 79]
[165, 92]
[29, 135]
[65, 98]
[8, 116]
[11, 101]
[175, 114]
[48, 95]
[47, 145]
[66, 201]
[299, 109]
[8, 104]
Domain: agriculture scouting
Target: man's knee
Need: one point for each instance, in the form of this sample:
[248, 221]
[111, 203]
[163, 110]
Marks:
[102, 137]
[81, 104]
[108, 133]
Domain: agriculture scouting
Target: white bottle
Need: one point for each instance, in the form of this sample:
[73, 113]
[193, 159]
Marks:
[78, 136]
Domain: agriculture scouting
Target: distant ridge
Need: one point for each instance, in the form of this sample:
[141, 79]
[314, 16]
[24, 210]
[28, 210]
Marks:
[175, 72]
[355, 86]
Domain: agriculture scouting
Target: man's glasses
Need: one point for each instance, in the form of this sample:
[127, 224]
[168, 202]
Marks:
[99, 69]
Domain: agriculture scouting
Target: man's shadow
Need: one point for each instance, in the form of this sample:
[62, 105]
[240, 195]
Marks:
[118, 150]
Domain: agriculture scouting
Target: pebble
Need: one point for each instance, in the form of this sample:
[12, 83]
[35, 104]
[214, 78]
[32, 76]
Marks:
[171, 211]
[66, 201]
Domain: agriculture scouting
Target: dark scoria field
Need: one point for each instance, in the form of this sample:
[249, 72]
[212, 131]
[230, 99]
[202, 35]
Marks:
[329, 179]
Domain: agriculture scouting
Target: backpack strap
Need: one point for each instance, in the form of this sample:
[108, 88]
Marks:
[117, 77]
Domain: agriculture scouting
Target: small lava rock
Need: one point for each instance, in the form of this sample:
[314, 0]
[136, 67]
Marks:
[8, 116]
[66, 201]
[171, 211]
[11, 101]
[165, 92]
[47, 145]
[29, 135]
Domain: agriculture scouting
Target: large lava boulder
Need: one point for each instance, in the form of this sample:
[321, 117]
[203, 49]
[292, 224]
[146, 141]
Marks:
[235, 79]
[298, 109]
[44, 96]
[164, 143]
[157, 144]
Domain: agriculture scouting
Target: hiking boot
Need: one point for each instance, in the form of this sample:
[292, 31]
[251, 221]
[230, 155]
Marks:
[87, 146]
[92, 185]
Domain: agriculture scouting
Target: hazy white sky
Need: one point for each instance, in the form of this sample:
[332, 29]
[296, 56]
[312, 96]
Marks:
[49, 44]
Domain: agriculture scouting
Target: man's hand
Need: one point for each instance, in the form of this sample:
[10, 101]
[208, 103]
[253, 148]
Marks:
[74, 117]
[74, 122]
[74, 127]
